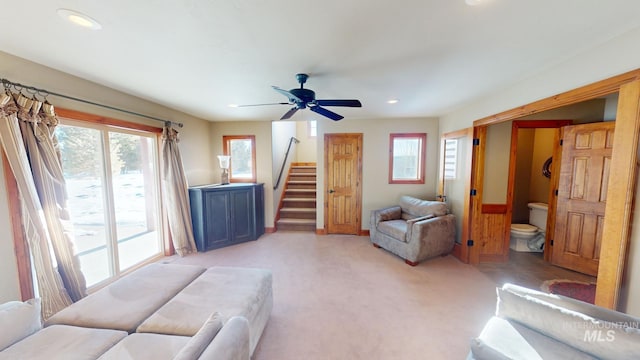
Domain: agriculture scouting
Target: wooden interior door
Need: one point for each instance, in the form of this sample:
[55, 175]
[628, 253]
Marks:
[455, 184]
[343, 184]
[582, 196]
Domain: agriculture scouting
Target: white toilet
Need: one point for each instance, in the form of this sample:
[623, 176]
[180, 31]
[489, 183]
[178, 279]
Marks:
[530, 237]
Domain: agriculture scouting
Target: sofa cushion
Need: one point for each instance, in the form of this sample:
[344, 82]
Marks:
[128, 301]
[397, 229]
[18, 320]
[502, 340]
[600, 338]
[65, 343]
[201, 339]
[413, 207]
[229, 290]
[146, 347]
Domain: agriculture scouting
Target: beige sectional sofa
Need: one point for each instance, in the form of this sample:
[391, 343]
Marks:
[532, 325]
[161, 311]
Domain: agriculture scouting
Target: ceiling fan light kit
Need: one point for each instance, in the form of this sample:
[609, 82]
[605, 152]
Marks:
[302, 98]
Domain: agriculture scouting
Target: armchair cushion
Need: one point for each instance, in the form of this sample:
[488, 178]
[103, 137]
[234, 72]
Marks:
[397, 229]
[413, 207]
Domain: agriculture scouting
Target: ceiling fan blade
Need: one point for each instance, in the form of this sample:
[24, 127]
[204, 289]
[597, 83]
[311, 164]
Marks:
[350, 103]
[289, 113]
[288, 94]
[324, 112]
[248, 105]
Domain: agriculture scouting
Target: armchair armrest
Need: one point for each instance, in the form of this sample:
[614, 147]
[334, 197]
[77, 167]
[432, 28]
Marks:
[432, 236]
[389, 213]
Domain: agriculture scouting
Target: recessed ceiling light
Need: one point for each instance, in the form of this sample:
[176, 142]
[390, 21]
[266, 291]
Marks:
[392, 101]
[473, 2]
[233, 105]
[79, 19]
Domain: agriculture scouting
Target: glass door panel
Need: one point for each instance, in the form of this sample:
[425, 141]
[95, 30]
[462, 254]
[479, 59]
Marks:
[82, 163]
[134, 198]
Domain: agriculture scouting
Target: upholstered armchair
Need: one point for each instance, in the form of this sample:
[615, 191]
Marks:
[415, 229]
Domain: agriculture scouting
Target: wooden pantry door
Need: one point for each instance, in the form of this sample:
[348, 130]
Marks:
[343, 183]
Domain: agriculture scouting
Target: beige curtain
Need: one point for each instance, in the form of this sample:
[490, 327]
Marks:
[26, 132]
[176, 194]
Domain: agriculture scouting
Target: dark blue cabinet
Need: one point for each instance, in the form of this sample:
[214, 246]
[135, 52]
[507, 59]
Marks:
[224, 215]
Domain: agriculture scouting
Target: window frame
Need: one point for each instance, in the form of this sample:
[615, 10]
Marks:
[450, 165]
[422, 137]
[226, 150]
[312, 129]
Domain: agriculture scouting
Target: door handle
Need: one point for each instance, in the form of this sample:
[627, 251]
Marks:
[331, 191]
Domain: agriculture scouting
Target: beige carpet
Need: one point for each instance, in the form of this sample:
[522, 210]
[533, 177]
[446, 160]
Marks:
[338, 297]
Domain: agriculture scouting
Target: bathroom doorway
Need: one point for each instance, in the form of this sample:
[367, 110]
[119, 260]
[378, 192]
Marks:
[531, 182]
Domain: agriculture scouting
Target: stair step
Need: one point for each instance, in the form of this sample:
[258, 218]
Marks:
[299, 203]
[296, 224]
[287, 209]
[297, 213]
[301, 184]
[301, 193]
[302, 169]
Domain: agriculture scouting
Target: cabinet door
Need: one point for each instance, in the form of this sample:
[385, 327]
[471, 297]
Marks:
[217, 209]
[242, 215]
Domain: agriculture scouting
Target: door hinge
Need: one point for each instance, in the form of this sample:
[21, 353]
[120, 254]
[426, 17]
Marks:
[551, 242]
[476, 142]
[469, 242]
[473, 192]
[561, 142]
[556, 192]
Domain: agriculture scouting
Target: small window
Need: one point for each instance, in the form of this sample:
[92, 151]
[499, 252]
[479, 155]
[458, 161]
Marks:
[450, 158]
[407, 154]
[242, 149]
[312, 126]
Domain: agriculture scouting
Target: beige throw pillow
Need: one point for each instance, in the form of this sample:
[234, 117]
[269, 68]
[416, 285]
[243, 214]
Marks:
[18, 320]
[600, 338]
[201, 339]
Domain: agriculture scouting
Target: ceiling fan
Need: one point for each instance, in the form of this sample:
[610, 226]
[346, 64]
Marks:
[302, 98]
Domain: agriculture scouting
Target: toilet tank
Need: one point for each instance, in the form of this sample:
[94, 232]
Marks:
[538, 215]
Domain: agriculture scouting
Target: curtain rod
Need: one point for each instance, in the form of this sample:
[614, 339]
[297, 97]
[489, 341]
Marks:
[34, 90]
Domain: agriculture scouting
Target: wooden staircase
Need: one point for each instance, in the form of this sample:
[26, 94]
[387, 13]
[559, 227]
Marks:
[297, 211]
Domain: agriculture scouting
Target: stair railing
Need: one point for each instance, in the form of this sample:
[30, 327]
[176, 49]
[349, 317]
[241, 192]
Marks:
[284, 162]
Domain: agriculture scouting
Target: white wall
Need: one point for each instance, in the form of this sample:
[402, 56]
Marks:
[194, 147]
[307, 149]
[264, 161]
[496, 160]
[376, 190]
[542, 150]
[612, 58]
[282, 132]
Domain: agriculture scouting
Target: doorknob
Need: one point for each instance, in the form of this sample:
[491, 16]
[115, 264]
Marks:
[331, 191]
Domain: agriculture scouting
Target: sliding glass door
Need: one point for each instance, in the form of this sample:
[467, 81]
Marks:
[112, 182]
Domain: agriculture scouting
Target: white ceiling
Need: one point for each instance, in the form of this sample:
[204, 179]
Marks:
[198, 56]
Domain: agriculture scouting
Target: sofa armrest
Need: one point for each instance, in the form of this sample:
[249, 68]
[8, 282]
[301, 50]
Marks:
[231, 342]
[388, 213]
